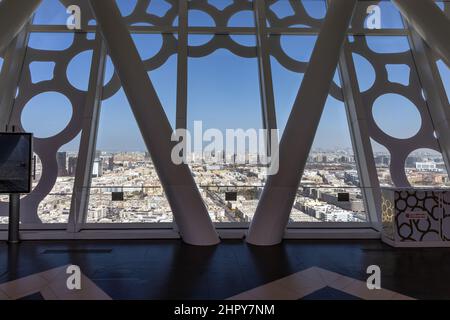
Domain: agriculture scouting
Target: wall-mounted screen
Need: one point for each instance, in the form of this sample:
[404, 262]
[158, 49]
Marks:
[231, 196]
[343, 197]
[117, 196]
[15, 162]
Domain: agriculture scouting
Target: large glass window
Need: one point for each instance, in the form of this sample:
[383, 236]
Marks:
[331, 169]
[223, 93]
[125, 186]
[223, 99]
[330, 187]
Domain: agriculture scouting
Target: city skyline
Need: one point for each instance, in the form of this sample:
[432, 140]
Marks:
[141, 199]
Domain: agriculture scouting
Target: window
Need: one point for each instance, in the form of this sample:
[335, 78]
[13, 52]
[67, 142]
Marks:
[123, 165]
[382, 158]
[223, 92]
[330, 188]
[125, 186]
[223, 97]
[331, 168]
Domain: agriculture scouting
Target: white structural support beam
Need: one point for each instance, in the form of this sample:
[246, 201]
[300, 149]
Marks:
[14, 15]
[182, 75]
[186, 202]
[10, 76]
[435, 93]
[357, 118]
[265, 73]
[88, 142]
[429, 22]
[272, 214]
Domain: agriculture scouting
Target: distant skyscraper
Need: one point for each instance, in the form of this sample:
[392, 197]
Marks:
[72, 166]
[382, 160]
[411, 161]
[61, 160]
[111, 163]
[97, 170]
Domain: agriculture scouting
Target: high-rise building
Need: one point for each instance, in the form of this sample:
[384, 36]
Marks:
[72, 166]
[111, 163]
[382, 160]
[97, 169]
[61, 160]
[411, 161]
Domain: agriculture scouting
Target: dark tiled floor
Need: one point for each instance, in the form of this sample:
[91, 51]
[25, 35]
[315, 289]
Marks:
[169, 269]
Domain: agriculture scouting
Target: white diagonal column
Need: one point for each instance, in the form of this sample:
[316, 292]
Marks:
[188, 208]
[88, 141]
[272, 214]
[429, 22]
[265, 74]
[14, 15]
[357, 119]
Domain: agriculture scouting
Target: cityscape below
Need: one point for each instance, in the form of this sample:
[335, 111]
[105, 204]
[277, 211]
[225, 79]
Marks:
[125, 187]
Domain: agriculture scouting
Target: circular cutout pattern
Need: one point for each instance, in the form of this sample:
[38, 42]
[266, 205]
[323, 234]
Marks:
[299, 48]
[424, 161]
[46, 114]
[78, 70]
[148, 45]
[396, 116]
[365, 74]
[198, 18]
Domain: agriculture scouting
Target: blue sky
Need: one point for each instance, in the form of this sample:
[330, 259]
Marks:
[223, 89]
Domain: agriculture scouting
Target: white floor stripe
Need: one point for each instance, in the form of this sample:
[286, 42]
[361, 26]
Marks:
[51, 285]
[303, 283]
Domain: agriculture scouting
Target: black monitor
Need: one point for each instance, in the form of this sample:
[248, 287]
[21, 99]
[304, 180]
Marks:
[117, 196]
[343, 197]
[231, 196]
[15, 162]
